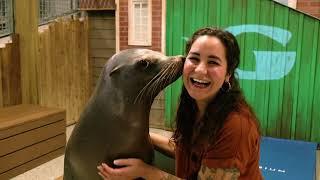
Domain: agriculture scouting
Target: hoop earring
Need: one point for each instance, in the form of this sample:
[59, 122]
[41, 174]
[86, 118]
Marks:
[226, 86]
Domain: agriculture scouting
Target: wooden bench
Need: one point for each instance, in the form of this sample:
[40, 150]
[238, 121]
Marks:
[29, 136]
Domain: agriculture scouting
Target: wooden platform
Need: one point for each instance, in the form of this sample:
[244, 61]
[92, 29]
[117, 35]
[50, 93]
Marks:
[29, 136]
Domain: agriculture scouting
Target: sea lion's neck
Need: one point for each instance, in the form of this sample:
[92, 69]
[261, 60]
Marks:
[129, 108]
[133, 117]
[133, 112]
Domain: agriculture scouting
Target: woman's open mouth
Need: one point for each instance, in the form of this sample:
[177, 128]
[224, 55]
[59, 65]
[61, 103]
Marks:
[200, 83]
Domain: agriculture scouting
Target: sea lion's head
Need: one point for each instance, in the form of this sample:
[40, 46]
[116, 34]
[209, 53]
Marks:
[143, 72]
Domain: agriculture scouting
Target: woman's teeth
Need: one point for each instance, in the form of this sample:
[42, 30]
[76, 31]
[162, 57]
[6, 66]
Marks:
[200, 83]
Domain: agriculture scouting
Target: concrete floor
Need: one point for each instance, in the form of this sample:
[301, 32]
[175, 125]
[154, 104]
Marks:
[54, 168]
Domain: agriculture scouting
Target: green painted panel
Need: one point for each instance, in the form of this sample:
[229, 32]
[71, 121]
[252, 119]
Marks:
[279, 70]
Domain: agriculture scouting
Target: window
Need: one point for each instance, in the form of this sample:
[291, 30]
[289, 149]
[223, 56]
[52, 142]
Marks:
[5, 17]
[50, 9]
[139, 30]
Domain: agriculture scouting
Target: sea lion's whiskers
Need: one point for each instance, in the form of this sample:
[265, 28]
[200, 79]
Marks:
[168, 73]
[153, 80]
[154, 84]
[165, 73]
[159, 81]
[139, 96]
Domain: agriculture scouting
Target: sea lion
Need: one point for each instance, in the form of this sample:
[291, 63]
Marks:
[115, 122]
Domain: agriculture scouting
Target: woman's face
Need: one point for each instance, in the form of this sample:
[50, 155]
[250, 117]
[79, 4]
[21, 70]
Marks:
[205, 69]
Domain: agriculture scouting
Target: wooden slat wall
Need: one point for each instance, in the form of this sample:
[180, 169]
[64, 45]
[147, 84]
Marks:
[26, 25]
[10, 82]
[102, 43]
[64, 75]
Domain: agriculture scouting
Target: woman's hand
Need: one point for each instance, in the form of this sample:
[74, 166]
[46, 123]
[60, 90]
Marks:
[133, 168]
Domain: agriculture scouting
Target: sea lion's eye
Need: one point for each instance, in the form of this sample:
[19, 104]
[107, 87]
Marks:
[143, 63]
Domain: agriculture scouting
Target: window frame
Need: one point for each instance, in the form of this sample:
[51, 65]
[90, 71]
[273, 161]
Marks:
[6, 20]
[132, 40]
[50, 10]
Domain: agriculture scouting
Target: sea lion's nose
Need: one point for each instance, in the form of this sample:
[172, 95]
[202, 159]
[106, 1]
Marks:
[179, 58]
[183, 58]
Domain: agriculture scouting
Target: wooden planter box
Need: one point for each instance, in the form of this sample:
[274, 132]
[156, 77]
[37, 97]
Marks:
[29, 136]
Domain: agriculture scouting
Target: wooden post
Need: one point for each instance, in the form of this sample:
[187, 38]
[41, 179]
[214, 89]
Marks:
[26, 25]
[1, 93]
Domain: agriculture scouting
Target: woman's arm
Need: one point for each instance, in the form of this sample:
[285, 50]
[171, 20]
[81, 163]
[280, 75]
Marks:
[218, 173]
[132, 169]
[162, 144]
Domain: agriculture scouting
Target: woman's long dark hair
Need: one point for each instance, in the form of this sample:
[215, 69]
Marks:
[219, 108]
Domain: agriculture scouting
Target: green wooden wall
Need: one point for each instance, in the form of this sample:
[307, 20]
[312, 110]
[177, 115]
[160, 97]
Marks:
[280, 65]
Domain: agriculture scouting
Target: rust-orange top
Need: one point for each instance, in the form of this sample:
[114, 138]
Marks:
[237, 146]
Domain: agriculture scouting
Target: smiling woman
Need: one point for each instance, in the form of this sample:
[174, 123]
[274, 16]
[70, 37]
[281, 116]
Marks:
[217, 133]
